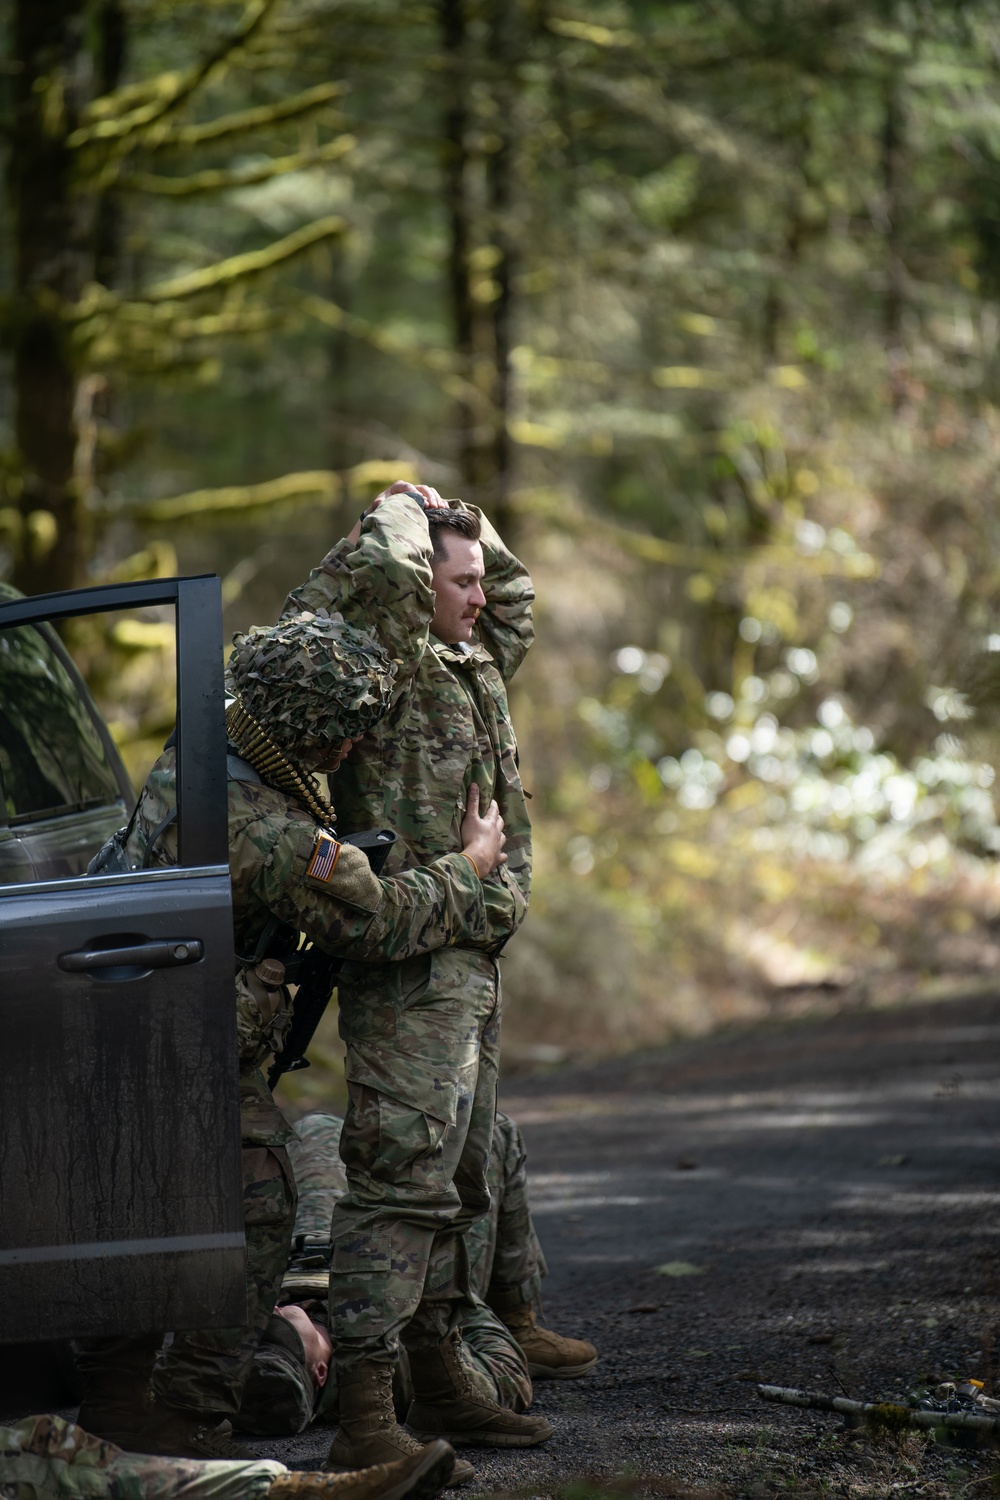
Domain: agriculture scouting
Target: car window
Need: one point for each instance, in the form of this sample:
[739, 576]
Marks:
[52, 759]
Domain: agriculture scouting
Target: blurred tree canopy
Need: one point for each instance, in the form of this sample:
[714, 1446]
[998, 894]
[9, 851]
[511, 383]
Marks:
[700, 300]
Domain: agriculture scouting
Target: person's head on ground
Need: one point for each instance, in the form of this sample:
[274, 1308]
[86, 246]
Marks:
[291, 1366]
[458, 569]
[316, 1344]
[313, 684]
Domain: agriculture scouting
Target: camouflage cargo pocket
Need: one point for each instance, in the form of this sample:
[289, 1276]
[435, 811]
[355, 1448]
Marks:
[429, 1086]
[268, 1185]
[360, 1283]
[387, 1142]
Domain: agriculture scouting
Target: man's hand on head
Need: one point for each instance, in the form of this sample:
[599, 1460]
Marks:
[425, 495]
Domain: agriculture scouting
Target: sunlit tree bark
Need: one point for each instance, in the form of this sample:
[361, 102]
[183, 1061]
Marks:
[51, 255]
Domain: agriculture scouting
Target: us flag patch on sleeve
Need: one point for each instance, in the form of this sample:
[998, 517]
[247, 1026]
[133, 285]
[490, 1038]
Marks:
[326, 852]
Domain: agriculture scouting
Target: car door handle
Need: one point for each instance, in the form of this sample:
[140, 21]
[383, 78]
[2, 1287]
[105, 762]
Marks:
[168, 953]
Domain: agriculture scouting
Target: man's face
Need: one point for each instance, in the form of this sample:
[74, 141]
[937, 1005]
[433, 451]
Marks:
[315, 1342]
[458, 597]
[332, 759]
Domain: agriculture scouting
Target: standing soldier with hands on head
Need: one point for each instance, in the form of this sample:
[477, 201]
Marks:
[453, 607]
[304, 691]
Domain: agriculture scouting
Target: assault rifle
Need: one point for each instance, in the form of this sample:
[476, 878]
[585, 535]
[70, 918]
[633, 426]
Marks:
[316, 972]
[962, 1407]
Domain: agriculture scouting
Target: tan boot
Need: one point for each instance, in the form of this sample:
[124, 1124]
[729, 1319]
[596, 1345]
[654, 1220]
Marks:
[420, 1477]
[447, 1403]
[368, 1432]
[550, 1356]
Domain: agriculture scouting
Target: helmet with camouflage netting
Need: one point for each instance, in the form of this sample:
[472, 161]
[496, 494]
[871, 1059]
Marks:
[311, 680]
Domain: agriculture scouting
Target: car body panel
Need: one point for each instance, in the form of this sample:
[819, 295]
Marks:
[121, 1205]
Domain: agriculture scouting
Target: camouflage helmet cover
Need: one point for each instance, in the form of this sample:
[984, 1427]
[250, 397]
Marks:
[311, 680]
[279, 1396]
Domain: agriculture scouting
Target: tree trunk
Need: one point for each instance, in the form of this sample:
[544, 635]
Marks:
[50, 270]
[50, 267]
[471, 319]
[500, 169]
[112, 36]
[893, 306]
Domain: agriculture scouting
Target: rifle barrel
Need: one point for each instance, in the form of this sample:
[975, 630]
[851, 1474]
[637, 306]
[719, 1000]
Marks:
[910, 1415]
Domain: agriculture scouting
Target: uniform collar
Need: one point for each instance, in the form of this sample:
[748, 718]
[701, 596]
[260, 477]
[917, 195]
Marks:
[461, 653]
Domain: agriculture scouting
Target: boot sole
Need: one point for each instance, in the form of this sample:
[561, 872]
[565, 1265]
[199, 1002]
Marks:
[564, 1372]
[487, 1439]
[442, 1477]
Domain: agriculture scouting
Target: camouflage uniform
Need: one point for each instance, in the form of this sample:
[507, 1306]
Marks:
[283, 866]
[503, 1252]
[47, 1458]
[422, 1035]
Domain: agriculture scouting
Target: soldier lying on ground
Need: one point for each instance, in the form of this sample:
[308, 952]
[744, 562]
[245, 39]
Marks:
[503, 1345]
[47, 1458]
[453, 604]
[305, 690]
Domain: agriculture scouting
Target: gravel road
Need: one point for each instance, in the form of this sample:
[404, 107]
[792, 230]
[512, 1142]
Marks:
[813, 1204]
[821, 1200]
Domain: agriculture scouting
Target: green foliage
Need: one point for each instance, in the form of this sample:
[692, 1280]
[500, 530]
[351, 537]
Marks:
[701, 302]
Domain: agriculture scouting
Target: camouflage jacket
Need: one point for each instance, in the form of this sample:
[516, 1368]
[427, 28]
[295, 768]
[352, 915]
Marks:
[450, 724]
[283, 865]
[48, 1458]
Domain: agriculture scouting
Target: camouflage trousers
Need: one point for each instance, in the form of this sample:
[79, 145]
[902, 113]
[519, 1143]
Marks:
[47, 1458]
[504, 1253]
[423, 1041]
[206, 1370]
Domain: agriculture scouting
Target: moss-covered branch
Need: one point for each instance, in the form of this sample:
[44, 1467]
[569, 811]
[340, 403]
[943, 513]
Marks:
[98, 302]
[241, 121]
[218, 180]
[311, 485]
[164, 94]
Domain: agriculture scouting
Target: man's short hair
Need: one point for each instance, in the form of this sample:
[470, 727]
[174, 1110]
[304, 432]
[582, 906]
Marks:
[440, 522]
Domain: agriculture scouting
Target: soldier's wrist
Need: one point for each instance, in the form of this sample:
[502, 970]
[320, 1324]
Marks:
[466, 855]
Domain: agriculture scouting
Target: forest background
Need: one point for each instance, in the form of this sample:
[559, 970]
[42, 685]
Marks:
[700, 301]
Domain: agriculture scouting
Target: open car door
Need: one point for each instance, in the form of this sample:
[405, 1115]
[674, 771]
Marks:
[120, 1177]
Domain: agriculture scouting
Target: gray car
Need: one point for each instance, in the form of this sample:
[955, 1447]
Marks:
[120, 1176]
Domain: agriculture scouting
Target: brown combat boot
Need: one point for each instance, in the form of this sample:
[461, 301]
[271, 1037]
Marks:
[449, 1403]
[550, 1356]
[173, 1432]
[368, 1432]
[419, 1477]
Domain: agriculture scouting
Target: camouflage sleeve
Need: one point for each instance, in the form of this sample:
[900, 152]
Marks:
[327, 890]
[383, 581]
[505, 625]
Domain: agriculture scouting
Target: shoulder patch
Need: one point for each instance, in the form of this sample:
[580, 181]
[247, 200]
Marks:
[326, 852]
